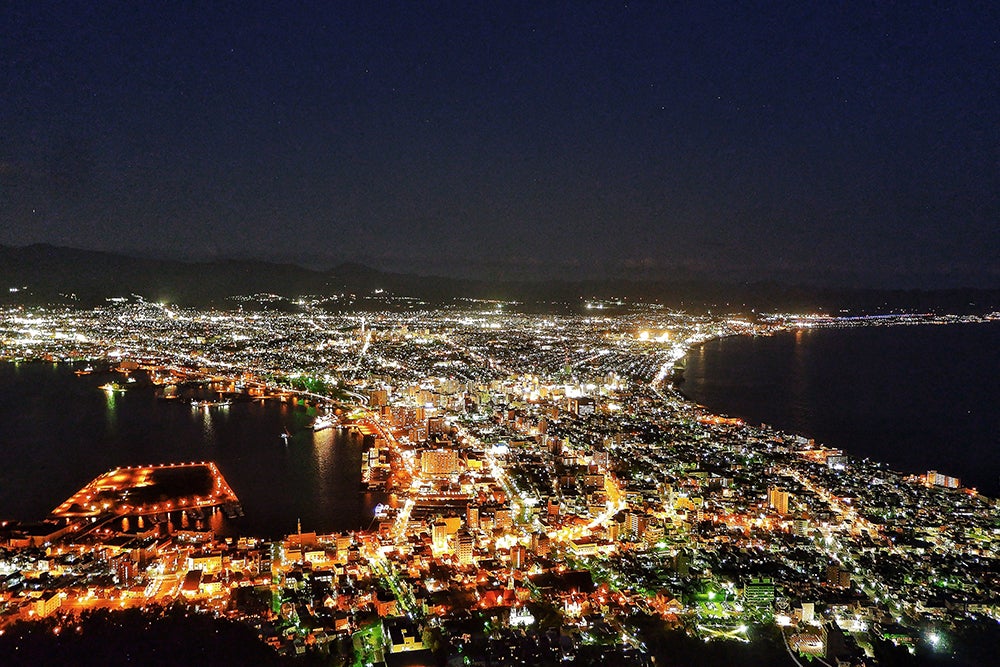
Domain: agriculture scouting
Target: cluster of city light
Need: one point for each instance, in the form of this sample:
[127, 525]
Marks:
[572, 454]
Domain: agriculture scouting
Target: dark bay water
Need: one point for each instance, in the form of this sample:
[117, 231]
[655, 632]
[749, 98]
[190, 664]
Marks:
[917, 397]
[58, 431]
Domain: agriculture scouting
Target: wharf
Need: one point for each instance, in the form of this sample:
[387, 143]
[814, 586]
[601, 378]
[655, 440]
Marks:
[146, 490]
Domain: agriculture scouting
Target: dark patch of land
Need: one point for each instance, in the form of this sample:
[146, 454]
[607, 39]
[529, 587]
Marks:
[136, 637]
[170, 483]
[176, 636]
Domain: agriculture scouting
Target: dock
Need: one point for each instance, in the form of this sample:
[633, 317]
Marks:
[150, 490]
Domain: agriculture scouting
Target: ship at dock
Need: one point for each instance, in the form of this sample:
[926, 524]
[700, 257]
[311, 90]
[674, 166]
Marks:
[323, 422]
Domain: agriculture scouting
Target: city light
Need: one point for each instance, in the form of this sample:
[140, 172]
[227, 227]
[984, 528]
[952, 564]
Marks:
[528, 470]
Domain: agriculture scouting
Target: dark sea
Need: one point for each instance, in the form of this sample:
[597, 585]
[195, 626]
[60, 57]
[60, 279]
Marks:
[59, 430]
[919, 398]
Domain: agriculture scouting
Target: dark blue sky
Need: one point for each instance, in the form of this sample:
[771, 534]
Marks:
[835, 143]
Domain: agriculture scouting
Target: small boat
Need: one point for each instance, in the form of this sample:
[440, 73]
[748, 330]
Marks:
[210, 404]
[84, 371]
[113, 387]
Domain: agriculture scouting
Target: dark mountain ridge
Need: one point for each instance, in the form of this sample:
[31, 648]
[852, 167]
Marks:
[46, 274]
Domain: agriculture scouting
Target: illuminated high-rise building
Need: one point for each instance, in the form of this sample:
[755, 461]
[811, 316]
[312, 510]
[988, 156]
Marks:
[472, 517]
[759, 593]
[778, 499]
[934, 478]
[517, 554]
[377, 398]
[464, 547]
[439, 534]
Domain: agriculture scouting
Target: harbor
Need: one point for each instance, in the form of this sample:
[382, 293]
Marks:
[276, 464]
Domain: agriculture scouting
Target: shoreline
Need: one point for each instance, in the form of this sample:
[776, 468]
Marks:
[682, 393]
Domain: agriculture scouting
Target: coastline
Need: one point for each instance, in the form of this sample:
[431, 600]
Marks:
[697, 482]
[687, 391]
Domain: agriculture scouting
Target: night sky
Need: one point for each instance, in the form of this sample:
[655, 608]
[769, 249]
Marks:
[821, 142]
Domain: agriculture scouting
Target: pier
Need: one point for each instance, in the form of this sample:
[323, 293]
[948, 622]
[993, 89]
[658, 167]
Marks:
[146, 490]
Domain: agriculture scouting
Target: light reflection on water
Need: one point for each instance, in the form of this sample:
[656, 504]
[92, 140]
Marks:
[60, 431]
[322, 447]
[915, 397]
[111, 413]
